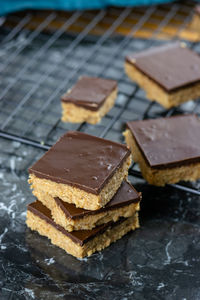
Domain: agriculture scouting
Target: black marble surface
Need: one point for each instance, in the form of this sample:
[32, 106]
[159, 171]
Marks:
[158, 261]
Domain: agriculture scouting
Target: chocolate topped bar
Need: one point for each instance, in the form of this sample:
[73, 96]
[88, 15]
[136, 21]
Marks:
[81, 160]
[124, 196]
[90, 92]
[81, 236]
[168, 142]
[170, 66]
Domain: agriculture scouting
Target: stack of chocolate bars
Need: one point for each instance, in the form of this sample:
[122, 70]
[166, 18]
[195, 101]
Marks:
[84, 201]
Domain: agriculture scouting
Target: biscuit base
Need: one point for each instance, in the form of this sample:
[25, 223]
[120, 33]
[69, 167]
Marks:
[42, 188]
[161, 177]
[98, 243]
[78, 114]
[89, 221]
[156, 93]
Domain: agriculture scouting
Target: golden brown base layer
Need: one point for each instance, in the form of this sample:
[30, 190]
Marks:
[98, 243]
[160, 177]
[77, 114]
[155, 93]
[43, 188]
[87, 222]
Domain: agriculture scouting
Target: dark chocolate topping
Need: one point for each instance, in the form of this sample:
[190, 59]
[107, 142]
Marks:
[81, 160]
[168, 142]
[124, 196]
[170, 66]
[81, 236]
[90, 92]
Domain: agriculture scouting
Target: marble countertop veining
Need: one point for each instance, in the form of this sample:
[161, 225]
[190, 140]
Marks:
[158, 261]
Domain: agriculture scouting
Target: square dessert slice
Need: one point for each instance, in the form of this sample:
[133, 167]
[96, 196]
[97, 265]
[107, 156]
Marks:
[195, 23]
[77, 243]
[169, 74]
[166, 149]
[124, 204]
[88, 100]
[81, 169]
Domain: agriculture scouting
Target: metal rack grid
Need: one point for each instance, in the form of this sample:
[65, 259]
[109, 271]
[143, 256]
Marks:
[37, 66]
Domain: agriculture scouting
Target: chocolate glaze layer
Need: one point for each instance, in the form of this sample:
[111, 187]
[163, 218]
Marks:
[168, 142]
[90, 92]
[81, 236]
[170, 66]
[125, 195]
[81, 160]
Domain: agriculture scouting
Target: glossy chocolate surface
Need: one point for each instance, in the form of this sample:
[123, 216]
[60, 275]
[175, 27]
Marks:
[80, 236]
[170, 66]
[81, 160]
[90, 92]
[124, 196]
[168, 142]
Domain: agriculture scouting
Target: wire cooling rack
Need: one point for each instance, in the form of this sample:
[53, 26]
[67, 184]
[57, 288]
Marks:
[38, 65]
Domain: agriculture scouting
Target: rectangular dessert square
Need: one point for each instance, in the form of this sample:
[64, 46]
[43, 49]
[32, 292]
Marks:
[125, 203]
[77, 243]
[166, 149]
[169, 74]
[88, 100]
[81, 169]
